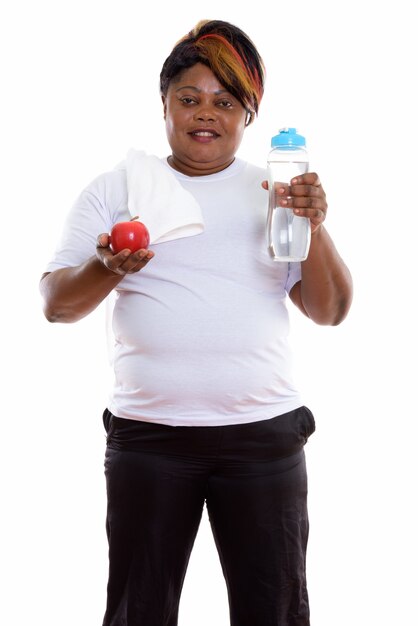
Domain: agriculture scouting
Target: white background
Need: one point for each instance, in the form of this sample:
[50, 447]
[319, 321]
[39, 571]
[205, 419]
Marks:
[80, 87]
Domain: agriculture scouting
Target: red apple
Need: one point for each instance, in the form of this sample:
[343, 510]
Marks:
[132, 235]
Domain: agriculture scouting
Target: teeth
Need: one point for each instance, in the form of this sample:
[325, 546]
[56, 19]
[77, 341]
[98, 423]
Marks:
[204, 133]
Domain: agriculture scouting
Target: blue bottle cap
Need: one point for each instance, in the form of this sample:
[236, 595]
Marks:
[288, 138]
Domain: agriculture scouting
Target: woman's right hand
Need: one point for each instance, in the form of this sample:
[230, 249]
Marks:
[124, 262]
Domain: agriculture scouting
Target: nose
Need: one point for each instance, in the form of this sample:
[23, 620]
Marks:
[205, 113]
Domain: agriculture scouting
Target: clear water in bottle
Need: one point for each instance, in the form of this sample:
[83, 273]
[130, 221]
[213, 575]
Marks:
[288, 235]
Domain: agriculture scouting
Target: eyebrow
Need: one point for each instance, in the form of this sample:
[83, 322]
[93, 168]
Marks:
[216, 93]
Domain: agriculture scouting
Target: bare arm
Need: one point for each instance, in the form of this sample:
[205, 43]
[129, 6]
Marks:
[72, 293]
[325, 292]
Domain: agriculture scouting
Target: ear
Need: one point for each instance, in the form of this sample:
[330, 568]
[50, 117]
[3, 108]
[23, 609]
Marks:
[249, 118]
[164, 101]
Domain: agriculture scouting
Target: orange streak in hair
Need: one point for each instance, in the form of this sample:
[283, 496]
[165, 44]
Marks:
[254, 79]
[227, 44]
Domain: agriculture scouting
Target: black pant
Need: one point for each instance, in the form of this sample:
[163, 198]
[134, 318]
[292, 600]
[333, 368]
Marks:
[253, 480]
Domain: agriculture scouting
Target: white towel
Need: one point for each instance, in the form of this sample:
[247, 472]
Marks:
[161, 203]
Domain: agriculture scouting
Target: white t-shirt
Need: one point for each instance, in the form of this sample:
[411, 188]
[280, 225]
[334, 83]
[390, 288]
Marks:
[201, 333]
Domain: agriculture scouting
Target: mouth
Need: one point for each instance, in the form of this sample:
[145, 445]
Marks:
[204, 134]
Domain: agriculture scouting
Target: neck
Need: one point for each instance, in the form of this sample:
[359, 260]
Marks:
[190, 170]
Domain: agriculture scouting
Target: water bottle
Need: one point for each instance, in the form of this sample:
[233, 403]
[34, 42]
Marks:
[288, 235]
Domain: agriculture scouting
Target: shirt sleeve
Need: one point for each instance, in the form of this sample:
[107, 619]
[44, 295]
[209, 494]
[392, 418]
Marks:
[100, 205]
[294, 275]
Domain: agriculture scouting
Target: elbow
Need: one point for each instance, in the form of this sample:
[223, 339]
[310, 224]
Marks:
[54, 309]
[339, 305]
[50, 316]
[332, 312]
[336, 320]
[64, 315]
[342, 313]
[54, 316]
[344, 305]
[337, 314]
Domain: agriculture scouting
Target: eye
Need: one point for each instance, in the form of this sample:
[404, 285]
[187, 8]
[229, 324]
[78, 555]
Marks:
[187, 100]
[225, 104]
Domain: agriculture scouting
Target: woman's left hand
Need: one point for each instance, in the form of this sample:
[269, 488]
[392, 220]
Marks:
[305, 196]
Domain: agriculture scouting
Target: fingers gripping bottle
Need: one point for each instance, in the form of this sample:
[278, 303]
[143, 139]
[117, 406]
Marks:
[288, 235]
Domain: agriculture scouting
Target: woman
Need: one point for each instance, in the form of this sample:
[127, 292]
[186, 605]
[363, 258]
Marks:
[204, 409]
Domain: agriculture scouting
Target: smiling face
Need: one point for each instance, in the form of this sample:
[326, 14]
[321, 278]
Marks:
[204, 122]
